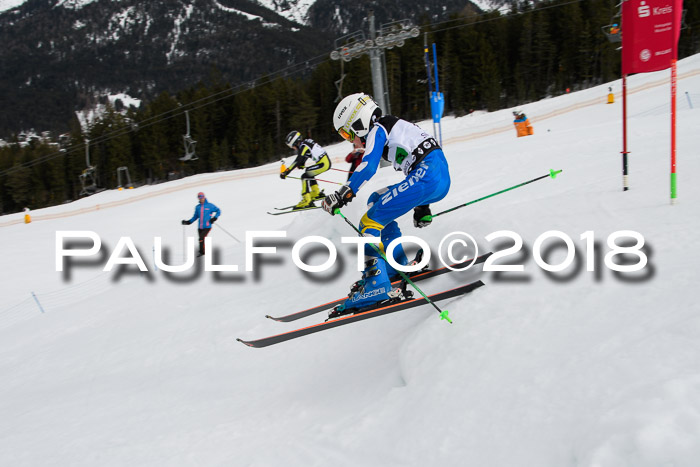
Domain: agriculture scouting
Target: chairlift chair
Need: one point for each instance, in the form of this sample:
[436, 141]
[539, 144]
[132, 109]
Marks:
[88, 181]
[88, 178]
[613, 31]
[190, 154]
[125, 171]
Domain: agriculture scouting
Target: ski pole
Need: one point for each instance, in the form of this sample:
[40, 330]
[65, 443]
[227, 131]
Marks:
[184, 247]
[444, 314]
[552, 173]
[317, 179]
[227, 232]
[340, 170]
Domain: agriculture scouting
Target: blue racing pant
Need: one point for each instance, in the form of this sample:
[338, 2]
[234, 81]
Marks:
[428, 183]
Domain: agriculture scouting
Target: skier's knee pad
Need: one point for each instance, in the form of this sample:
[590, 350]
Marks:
[371, 228]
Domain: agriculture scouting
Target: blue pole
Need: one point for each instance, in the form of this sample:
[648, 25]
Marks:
[690, 103]
[430, 78]
[37, 302]
[437, 86]
[437, 83]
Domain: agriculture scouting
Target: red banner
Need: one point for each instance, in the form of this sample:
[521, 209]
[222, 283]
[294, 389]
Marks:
[650, 31]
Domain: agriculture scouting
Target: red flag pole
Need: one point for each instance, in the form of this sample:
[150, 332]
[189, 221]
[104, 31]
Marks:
[674, 79]
[625, 179]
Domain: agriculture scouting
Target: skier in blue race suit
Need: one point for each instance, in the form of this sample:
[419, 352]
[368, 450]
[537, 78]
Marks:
[205, 213]
[409, 149]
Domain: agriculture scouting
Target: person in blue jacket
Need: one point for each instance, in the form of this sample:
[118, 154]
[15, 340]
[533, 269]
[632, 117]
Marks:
[205, 213]
[409, 149]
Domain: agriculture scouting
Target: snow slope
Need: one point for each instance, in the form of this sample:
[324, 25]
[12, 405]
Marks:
[574, 368]
[10, 4]
[295, 10]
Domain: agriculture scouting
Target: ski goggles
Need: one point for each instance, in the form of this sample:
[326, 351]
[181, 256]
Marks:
[347, 135]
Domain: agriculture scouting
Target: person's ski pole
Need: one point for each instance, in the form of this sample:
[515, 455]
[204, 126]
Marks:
[184, 247]
[552, 174]
[227, 232]
[444, 314]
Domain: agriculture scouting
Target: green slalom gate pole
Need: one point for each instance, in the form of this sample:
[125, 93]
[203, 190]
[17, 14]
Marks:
[552, 174]
[444, 314]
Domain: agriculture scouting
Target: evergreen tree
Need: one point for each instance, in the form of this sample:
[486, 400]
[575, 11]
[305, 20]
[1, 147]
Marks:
[488, 80]
[486, 61]
[244, 134]
[20, 189]
[305, 114]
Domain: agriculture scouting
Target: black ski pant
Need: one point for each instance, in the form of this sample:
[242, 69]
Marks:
[202, 233]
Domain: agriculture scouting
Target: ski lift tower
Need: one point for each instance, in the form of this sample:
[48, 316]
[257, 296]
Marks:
[88, 179]
[190, 154]
[356, 44]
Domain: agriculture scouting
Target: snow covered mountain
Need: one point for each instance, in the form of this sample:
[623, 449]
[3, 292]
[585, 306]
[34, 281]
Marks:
[294, 10]
[64, 52]
[581, 367]
[10, 4]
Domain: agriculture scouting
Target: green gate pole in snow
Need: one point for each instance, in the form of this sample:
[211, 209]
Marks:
[444, 314]
[552, 173]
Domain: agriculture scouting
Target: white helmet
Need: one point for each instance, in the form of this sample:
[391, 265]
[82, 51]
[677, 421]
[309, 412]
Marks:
[293, 138]
[355, 115]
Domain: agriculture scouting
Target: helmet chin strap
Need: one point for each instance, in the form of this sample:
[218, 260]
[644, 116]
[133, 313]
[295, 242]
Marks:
[372, 121]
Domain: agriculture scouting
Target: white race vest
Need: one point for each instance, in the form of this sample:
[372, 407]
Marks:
[317, 151]
[404, 138]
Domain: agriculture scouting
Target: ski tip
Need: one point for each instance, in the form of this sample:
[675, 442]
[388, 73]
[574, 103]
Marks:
[244, 342]
[553, 173]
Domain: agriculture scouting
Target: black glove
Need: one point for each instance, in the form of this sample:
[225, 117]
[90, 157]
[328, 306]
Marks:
[422, 216]
[284, 174]
[337, 200]
[211, 221]
[186, 222]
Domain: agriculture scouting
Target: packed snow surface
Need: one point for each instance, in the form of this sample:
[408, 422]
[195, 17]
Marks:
[570, 368]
